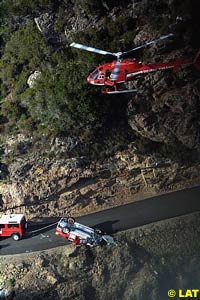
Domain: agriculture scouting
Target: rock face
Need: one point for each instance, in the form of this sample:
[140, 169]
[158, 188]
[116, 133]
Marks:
[46, 187]
[64, 144]
[163, 113]
[44, 23]
[17, 144]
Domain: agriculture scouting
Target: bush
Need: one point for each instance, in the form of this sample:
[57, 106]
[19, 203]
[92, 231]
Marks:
[91, 7]
[10, 8]
[62, 100]
[24, 52]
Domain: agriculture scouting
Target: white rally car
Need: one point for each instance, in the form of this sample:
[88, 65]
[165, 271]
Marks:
[80, 234]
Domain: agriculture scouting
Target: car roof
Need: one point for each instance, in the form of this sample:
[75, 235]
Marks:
[11, 219]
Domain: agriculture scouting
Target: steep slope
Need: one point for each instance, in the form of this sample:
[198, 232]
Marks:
[64, 146]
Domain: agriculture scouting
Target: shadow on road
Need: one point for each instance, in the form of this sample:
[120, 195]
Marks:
[4, 246]
[107, 226]
[36, 230]
[42, 222]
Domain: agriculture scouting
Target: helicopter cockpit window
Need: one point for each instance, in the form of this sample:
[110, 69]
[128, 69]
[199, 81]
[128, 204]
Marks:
[108, 73]
[94, 75]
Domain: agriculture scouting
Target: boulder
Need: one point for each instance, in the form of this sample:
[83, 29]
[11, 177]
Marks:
[17, 144]
[64, 144]
[32, 78]
[44, 23]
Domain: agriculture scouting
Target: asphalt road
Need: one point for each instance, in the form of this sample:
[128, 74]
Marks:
[112, 220]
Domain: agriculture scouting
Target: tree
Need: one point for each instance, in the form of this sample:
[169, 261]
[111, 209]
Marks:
[63, 101]
[24, 52]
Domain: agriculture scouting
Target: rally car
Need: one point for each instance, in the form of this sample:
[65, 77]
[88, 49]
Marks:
[80, 234]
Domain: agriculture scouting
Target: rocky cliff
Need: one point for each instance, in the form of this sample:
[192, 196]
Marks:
[39, 186]
[65, 148]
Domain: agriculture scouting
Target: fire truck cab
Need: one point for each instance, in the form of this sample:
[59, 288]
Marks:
[13, 225]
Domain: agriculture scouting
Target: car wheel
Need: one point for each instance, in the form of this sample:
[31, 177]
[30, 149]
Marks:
[65, 230]
[70, 220]
[15, 236]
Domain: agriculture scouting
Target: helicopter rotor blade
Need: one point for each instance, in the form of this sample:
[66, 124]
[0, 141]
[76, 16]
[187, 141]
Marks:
[91, 49]
[119, 55]
[150, 43]
[115, 72]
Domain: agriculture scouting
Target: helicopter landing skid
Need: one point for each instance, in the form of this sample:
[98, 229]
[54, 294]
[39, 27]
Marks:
[110, 92]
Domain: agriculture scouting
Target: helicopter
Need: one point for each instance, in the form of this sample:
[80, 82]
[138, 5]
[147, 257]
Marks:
[111, 76]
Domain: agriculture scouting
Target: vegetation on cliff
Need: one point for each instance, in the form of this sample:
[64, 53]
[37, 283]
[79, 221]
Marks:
[61, 102]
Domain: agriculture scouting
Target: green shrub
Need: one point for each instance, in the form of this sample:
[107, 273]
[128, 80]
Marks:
[10, 8]
[91, 7]
[24, 52]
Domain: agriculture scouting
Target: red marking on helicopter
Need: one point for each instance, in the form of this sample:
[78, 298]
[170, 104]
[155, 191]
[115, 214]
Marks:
[111, 75]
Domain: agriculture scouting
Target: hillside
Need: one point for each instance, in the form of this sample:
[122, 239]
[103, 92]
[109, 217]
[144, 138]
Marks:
[67, 147]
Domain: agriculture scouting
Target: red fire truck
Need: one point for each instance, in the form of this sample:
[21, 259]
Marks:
[13, 225]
